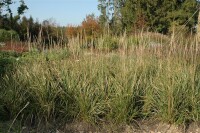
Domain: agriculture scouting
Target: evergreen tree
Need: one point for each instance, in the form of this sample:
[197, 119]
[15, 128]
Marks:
[8, 21]
[156, 15]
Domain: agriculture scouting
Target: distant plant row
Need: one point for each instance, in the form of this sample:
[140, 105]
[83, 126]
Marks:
[117, 17]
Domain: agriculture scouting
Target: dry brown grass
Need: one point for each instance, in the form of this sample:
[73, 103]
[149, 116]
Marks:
[18, 47]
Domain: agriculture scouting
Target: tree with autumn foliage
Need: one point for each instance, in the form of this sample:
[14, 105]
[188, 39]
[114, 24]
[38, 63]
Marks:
[72, 31]
[91, 27]
[88, 30]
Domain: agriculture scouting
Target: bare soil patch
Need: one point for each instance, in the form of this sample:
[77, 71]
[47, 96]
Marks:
[14, 46]
[140, 127]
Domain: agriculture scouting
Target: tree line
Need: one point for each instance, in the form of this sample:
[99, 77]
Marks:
[117, 16]
[25, 28]
[154, 15]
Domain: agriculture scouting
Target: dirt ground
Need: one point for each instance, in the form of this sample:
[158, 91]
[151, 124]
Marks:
[14, 46]
[140, 127]
[81, 127]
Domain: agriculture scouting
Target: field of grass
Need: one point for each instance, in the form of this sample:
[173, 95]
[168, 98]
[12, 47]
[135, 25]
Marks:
[121, 80]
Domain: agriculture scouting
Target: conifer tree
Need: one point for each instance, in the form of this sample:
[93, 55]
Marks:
[8, 21]
[155, 15]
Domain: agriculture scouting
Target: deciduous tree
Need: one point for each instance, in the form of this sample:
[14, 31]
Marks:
[156, 15]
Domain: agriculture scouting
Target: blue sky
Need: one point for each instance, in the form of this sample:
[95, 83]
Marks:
[63, 11]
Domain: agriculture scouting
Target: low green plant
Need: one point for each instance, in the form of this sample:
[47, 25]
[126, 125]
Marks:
[7, 61]
[6, 35]
[108, 43]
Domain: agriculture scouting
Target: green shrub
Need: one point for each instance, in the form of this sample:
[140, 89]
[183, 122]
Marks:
[9, 54]
[109, 43]
[7, 59]
[6, 64]
[8, 35]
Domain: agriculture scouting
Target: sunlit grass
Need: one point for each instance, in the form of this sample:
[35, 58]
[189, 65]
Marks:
[135, 81]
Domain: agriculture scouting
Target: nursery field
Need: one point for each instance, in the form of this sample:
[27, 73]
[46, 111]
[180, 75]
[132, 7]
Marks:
[112, 81]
